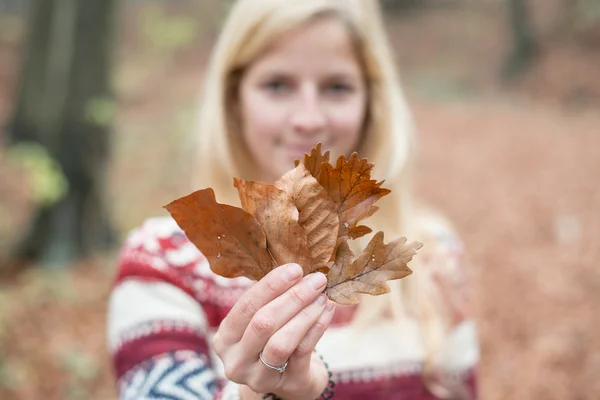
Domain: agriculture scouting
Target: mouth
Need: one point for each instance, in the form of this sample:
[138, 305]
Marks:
[298, 151]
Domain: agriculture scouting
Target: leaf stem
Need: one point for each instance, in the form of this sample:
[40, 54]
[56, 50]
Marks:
[271, 255]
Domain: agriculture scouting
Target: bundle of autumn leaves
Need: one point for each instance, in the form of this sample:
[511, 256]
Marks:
[306, 217]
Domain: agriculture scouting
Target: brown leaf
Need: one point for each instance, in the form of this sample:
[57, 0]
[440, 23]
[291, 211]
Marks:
[353, 191]
[276, 212]
[377, 264]
[230, 238]
[306, 216]
[314, 161]
[317, 213]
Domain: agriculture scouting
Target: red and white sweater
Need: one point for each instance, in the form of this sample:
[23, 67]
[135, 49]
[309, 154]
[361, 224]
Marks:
[167, 303]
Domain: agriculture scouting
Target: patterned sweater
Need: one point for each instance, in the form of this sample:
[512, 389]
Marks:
[166, 304]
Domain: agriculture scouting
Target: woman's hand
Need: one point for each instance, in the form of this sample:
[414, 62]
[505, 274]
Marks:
[283, 315]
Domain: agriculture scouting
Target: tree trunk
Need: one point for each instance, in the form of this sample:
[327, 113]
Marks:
[64, 91]
[524, 46]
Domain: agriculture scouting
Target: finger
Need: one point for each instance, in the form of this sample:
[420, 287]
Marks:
[283, 343]
[268, 288]
[278, 312]
[307, 345]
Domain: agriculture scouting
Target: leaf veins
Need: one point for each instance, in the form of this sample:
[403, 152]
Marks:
[276, 212]
[317, 213]
[377, 264]
[231, 239]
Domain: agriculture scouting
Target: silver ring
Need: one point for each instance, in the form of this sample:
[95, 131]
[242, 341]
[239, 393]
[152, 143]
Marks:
[278, 368]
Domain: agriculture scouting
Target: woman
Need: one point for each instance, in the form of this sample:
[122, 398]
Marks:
[284, 76]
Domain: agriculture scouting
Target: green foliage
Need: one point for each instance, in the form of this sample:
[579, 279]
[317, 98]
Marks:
[3, 319]
[589, 10]
[49, 286]
[6, 224]
[167, 33]
[48, 183]
[435, 87]
[81, 369]
[79, 365]
[100, 111]
[12, 29]
[185, 119]
[400, 5]
[8, 376]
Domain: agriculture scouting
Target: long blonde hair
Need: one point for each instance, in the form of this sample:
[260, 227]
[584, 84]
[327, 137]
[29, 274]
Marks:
[388, 140]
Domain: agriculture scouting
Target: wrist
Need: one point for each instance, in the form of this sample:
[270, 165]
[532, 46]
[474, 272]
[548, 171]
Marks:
[320, 386]
[248, 394]
[320, 381]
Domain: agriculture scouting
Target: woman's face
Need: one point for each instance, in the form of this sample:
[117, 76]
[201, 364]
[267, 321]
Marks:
[308, 88]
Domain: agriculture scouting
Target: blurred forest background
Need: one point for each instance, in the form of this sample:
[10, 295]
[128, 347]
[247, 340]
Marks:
[97, 104]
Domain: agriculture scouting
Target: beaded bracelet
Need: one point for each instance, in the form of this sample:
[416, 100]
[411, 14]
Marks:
[327, 393]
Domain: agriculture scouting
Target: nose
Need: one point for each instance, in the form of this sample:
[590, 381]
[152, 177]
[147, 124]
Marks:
[307, 116]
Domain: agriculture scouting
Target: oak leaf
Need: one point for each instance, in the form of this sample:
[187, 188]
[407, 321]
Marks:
[306, 217]
[351, 188]
[314, 161]
[230, 238]
[377, 264]
[276, 212]
[317, 214]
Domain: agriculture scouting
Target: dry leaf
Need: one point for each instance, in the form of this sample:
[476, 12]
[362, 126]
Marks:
[307, 217]
[352, 190]
[231, 239]
[276, 212]
[317, 213]
[314, 161]
[377, 264]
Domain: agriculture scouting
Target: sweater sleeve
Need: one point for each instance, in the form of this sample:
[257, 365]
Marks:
[158, 330]
[450, 273]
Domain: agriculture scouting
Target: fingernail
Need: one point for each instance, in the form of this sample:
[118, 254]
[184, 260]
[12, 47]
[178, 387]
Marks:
[317, 280]
[321, 300]
[330, 306]
[292, 272]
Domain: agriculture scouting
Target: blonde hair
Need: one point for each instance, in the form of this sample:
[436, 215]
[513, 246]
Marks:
[388, 140]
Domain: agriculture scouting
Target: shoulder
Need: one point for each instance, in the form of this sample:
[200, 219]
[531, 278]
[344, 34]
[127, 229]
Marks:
[437, 232]
[161, 271]
[445, 261]
[159, 245]
[154, 234]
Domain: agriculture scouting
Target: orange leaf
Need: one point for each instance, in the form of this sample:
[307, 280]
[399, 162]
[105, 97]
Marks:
[377, 264]
[306, 217]
[314, 161]
[231, 239]
[353, 191]
[276, 213]
[317, 213]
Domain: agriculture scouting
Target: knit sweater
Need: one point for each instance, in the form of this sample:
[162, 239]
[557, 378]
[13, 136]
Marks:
[166, 304]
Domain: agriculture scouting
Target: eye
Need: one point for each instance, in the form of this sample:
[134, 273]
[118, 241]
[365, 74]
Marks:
[277, 86]
[338, 88]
